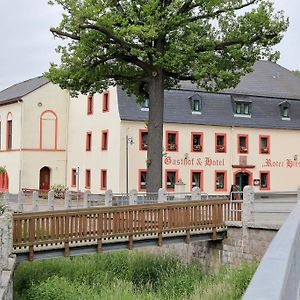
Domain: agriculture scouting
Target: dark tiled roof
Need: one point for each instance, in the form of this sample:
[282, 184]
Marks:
[268, 79]
[264, 91]
[17, 91]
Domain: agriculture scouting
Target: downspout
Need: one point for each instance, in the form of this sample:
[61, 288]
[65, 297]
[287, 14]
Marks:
[21, 146]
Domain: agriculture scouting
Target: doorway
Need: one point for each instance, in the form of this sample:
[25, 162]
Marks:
[45, 179]
[242, 179]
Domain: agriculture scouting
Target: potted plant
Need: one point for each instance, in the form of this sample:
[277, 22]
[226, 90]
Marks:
[220, 148]
[243, 149]
[197, 147]
[172, 147]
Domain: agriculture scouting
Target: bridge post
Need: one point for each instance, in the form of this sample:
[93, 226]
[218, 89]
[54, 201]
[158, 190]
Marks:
[6, 197]
[248, 205]
[298, 194]
[162, 195]
[133, 197]
[51, 200]
[86, 202]
[196, 193]
[68, 195]
[108, 198]
[35, 201]
[20, 201]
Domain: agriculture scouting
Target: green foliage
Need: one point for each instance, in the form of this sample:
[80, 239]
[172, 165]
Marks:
[2, 169]
[124, 275]
[59, 190]
[212, 43]
[297, 72]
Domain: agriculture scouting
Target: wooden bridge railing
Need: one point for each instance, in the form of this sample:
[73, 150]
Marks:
[66, 226]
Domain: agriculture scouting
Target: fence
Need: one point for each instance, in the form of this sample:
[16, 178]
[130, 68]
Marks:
[34, 200]
[32, 231]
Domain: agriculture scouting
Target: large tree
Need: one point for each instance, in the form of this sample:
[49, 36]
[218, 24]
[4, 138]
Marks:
[148, 46]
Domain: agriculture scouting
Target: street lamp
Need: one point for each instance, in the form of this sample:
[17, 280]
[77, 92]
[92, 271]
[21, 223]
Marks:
[129, 140]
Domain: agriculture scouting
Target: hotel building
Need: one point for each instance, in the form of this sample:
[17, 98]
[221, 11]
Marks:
[246, 135]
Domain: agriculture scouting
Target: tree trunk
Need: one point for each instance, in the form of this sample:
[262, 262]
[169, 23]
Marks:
[155, 132]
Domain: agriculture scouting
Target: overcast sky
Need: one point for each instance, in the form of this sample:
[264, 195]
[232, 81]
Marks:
[27, 46]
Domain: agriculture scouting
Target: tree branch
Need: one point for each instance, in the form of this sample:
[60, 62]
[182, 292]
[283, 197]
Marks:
[59, 33]
[223, 45]
[220, 11]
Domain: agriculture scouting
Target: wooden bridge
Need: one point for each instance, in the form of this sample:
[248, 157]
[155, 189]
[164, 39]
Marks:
[70, 232]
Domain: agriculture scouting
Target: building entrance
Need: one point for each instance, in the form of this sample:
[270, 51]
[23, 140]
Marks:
[45, 179]
[241, 180]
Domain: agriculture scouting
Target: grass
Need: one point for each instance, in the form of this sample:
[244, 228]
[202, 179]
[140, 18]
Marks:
[127, 275]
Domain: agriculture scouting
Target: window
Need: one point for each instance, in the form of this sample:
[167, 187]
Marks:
[143, 139]
[171, 179]
[73, 178]
[145, 105]
[220, 142]
[197, 141]
[172, 140]
[197, 179]
[88, 146]
[242, 143]
[242, 108]
[265, 180]
[87, 179]
[264, 144]
[105, 101]
[90, 105]
[104, 145]
[221, 181]
[196, 103]
[284, 107]
[9, 135]
[103, 179]
[142, 180]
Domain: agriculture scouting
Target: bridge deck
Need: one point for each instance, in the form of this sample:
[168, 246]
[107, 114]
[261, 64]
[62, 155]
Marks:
[39, 233]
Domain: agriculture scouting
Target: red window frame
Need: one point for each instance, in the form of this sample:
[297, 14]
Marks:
[90, 105]
[239, 144]
[140, 188]
[87, 178]
[201, 179]
[170, 148]
[105, 101]
[194, 148]
[103, 181]
[104, 140]
[261, 149]
[73, 178]
[142, 147]
[224, 189]
[267, 188]
[9, 128]
[88, 142]
[166, 178]
[220, 148]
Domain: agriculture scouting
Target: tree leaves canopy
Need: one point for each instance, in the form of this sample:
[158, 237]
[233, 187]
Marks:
[210, 42]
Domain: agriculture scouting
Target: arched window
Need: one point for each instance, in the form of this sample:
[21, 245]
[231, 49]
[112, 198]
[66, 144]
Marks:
[48, 130]
[9, 129]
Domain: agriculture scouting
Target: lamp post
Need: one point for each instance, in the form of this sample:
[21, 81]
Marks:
[129, 140]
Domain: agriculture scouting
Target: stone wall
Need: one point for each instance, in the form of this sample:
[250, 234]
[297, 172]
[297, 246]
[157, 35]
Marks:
[7, 259]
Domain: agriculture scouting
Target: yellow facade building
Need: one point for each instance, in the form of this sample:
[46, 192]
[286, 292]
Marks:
[247, 135]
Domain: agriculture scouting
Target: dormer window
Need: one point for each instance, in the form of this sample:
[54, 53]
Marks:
[285, 110]
[242, 108]
[145, 105]
[196, 104]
